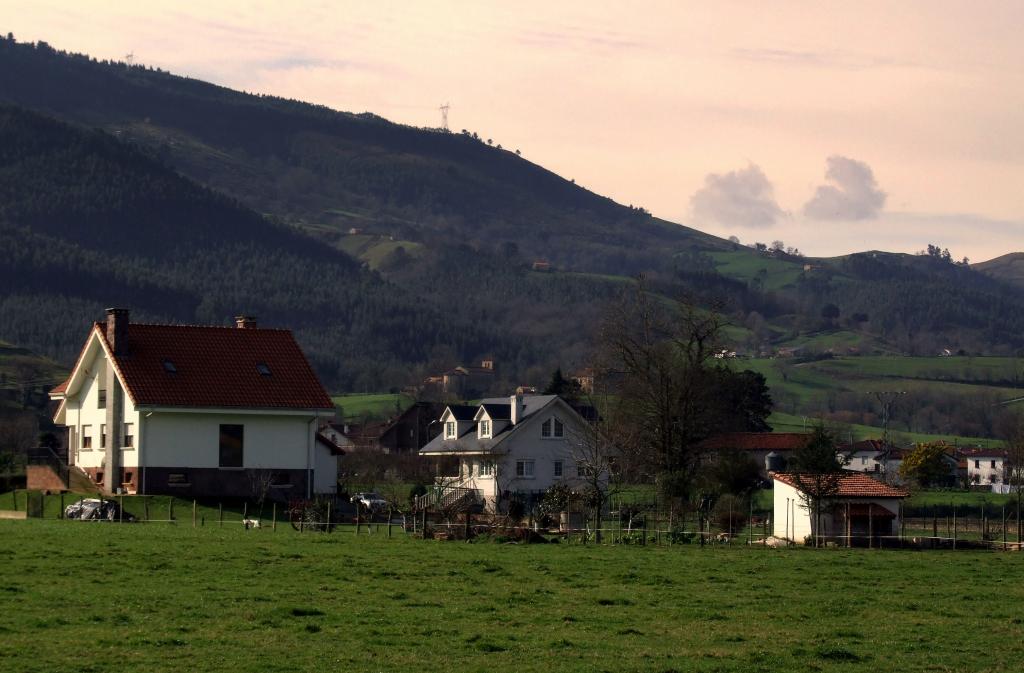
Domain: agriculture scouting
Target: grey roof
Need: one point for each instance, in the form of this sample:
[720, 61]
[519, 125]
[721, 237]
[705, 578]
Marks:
[462, 412]
[469, 442]
[501, 412]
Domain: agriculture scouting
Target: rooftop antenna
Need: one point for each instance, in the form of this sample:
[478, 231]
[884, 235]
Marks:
[129, 57]
[444, 115]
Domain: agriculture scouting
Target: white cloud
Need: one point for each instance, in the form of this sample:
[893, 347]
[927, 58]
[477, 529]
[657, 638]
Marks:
[742, 198]
[852, 195]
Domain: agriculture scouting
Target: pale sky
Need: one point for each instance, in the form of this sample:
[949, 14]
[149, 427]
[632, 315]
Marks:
[722, 115]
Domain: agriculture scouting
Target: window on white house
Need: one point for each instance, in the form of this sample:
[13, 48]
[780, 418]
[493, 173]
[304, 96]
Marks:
[129, 436]
[486, 468]
[103, 436]
[558, 469]
[559, 429]
[977, 465]
[485, 428]
[101, 399]
[449, 430]
[524, 469]
[545, 428]
[232, 443]
[863, 461]
[86, 436]
[993, 464]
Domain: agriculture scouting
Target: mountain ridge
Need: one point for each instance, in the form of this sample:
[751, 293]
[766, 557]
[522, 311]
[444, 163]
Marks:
[454, 228]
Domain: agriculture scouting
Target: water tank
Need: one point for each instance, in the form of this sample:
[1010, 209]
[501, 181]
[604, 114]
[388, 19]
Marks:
[774, 462]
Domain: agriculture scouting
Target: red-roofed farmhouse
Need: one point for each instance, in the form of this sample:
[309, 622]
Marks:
[197, 411]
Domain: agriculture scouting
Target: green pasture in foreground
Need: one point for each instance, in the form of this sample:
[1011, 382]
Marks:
[102, 597]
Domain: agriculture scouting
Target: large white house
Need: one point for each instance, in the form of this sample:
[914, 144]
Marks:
[512, 445]
[859, 508]
[197, 411]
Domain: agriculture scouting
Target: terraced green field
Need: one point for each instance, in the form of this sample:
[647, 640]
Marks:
[372, 405]
[102, 597]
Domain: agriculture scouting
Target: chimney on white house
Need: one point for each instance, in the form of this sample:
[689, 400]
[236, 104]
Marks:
[245, 321]
[518, 408]
[117, 330]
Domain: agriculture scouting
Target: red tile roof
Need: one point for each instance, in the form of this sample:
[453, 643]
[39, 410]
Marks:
[851, 485]
[217, 367]
[983, 453]
[756, 441]
[60, 388]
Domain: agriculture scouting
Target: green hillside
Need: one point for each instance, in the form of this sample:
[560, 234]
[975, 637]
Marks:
[222, 201]
[1009, 268]
[944, 396]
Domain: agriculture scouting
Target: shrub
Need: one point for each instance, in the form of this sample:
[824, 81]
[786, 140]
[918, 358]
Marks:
[730, 513]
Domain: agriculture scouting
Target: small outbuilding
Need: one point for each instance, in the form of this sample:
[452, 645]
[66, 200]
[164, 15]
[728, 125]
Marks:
[856, 510]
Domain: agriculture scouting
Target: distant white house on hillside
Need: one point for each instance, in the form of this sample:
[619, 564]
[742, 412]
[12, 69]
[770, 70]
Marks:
[518, 445]
[191, 410]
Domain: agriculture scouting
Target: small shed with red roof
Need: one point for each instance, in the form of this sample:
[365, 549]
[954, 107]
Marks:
[196, 411]
[856, 510]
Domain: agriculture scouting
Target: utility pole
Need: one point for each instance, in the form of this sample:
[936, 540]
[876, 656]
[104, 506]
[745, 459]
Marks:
[444, 116]
[129, 58]
[887, 399]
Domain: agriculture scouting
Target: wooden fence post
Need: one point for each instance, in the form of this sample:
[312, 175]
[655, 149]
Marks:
[391, 515]
[193, 512]
[170, 509]
[220, 514]
[273, 525]
[871, 525]
[954, 527]
[145, 507]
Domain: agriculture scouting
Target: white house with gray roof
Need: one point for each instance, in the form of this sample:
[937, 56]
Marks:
[518, 444]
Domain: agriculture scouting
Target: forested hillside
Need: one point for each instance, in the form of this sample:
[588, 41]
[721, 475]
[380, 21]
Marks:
[393, 251]
[87, 221]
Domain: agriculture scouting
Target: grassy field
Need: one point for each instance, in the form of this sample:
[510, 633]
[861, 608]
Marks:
[94, 597]
[781, 422]
[372, 405]
[742, 265]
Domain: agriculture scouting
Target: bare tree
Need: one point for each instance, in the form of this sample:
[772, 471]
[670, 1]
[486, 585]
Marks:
[260, 482]
[670, 392]
[595, 455]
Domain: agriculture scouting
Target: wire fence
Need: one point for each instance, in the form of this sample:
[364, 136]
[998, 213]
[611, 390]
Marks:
[629, 524]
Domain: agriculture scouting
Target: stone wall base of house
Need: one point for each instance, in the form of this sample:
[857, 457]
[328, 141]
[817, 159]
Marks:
[280, 485]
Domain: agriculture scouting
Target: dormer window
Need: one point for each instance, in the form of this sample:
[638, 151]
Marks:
[449, 430]
[545, 428]
[485, 428]
[559, 429]
[169, 367]
[263, 369]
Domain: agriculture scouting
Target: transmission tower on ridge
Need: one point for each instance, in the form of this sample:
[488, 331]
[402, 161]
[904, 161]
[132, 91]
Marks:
[129, 57]
[444, 115]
